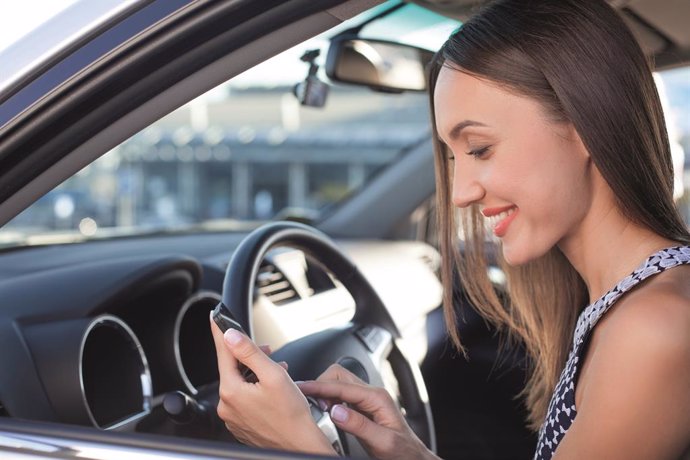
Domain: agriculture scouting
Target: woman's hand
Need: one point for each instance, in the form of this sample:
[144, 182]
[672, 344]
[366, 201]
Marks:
[372, 415]
[270, 413]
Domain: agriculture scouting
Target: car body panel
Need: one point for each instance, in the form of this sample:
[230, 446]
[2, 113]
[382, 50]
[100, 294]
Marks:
[94, 30]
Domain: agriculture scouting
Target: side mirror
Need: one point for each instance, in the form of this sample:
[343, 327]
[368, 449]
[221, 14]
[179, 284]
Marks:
[380, 65]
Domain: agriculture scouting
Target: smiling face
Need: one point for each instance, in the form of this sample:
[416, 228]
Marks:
[529, 175]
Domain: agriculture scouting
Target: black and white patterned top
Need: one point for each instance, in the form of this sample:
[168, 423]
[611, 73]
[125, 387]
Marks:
[562, 411]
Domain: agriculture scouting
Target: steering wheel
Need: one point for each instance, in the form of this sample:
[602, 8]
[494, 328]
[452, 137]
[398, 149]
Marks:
[363, 346]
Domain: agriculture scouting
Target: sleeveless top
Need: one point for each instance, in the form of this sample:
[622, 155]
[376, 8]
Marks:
[561, 412]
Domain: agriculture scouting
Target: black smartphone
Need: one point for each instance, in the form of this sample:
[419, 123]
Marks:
[223, 318]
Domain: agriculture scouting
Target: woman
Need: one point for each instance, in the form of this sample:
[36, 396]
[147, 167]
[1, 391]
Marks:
[548, 131]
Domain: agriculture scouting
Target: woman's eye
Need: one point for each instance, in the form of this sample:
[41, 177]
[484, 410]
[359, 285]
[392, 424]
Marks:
[479, 152]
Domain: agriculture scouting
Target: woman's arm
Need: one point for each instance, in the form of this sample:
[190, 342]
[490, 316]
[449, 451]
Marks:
[633, 395]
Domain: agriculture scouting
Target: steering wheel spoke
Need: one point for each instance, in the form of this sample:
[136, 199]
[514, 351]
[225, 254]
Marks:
[377, 340]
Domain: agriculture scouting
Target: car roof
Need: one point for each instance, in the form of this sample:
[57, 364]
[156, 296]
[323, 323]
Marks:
[659, 25]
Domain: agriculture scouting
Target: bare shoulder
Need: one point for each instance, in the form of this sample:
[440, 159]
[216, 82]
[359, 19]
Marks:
[650, 326]
[635, 376]
[657, 313]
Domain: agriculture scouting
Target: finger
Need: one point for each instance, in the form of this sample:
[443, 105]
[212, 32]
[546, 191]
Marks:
[283, 364]
[351, 421]
[336, 373]
[374, 401]
[324, 404]
[227, 364]
[266, 349]
[308, 389]
[248, 353]
[339, 373]
[364, 397]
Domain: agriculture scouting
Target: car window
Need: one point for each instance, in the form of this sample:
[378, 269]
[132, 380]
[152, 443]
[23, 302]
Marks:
[246, 151]
[674, 90]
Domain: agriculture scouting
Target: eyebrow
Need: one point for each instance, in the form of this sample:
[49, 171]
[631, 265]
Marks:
[457, 129]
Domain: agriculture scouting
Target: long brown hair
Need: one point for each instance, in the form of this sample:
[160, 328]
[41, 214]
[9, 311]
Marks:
[581, 63]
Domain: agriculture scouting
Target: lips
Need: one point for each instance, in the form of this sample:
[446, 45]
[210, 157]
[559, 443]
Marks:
[500, 218]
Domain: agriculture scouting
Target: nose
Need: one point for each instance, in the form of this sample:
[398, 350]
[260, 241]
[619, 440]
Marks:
[467, 189]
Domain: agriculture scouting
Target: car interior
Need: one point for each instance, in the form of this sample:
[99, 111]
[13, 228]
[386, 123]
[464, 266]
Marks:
[271, 157]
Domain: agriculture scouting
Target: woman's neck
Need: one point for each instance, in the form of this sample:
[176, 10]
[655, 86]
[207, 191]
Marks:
[607, 246]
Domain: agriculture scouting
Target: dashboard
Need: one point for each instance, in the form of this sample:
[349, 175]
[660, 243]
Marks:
[98, 333]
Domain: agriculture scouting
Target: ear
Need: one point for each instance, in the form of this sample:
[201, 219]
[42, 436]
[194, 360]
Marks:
[580, 147]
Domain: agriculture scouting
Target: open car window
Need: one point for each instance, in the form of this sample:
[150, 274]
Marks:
[246, 151]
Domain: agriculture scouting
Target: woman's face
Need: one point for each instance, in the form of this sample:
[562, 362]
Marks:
[530, 176]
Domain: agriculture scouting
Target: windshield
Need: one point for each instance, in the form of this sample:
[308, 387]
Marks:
[246, 151]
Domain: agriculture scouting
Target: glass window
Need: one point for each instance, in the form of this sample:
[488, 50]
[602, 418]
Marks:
[674, 90]
[245, 152]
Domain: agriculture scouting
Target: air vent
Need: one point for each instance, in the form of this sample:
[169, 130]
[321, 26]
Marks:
[272, 283]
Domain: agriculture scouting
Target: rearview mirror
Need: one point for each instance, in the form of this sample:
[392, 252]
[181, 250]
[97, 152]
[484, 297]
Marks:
[381, 65]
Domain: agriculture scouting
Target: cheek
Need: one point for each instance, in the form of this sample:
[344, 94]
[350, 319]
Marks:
[552, 193]
[551, 176]
[568, 182]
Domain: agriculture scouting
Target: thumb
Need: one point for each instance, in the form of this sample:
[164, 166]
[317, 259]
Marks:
[370, 433]
[248, 353]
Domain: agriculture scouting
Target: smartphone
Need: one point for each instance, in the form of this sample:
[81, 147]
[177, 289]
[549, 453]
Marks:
[223, 318]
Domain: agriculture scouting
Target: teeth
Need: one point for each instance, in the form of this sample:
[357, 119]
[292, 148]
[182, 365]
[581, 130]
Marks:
[494, 220]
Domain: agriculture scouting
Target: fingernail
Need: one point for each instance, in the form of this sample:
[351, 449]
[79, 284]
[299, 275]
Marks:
[232, 336]
[322, 404]
[339, 413]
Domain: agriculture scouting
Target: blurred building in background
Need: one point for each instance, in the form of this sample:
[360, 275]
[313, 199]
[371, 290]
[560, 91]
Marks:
[247, 154]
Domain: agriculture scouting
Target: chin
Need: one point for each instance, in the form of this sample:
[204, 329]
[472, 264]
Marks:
[516, 255]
